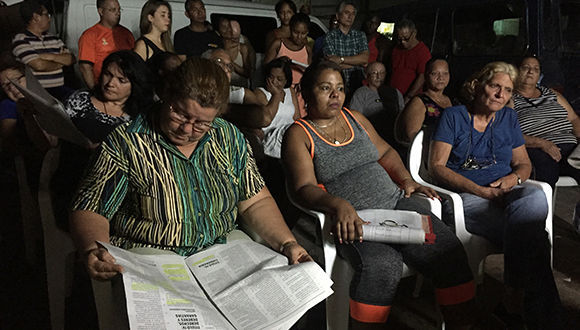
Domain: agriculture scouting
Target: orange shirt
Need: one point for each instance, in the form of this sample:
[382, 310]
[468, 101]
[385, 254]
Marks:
[97, 42]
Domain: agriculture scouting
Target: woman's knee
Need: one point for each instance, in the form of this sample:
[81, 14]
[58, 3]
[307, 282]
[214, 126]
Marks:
[527, 204]
[377, 275]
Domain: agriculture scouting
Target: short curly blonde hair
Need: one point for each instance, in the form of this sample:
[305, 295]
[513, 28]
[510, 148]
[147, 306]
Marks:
[483, 76]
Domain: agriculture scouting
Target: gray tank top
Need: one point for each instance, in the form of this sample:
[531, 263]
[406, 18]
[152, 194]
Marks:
[351, 170]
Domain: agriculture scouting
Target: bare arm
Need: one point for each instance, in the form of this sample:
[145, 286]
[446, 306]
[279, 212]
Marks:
[411, 119]
[41, 65]
[262, 215]
[252, 97]
[296, 104]
[438, 155]
[86, 228]
[272, 51]
[86, 70]
[572, 116]
[360, 59]
[141, 49]
[546, 146]
[390, 160]
[415, 87]
[65, 58]
[271, 108]
[521, 168]
[270, 38]
[303, 186]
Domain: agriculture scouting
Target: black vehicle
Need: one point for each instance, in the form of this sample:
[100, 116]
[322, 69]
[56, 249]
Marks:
[471, 33]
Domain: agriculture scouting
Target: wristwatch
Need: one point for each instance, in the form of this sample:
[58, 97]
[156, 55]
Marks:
[517, 176]
[341, 60]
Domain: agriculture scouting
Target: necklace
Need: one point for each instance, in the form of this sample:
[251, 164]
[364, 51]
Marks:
[107, 112]
[327, 136]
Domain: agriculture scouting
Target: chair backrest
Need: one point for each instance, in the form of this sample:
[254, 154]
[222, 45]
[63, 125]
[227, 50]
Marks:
[49, 167]
[419, 158]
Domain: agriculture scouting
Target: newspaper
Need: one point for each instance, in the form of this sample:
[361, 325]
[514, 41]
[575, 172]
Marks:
[397, 226]
[50, 113]
[240, 285]
[301, 65]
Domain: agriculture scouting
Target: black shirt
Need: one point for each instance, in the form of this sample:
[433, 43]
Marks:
[192, 43]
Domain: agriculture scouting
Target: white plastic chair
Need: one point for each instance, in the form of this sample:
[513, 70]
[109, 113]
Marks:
[564, 181]
[476, 247]
[341, 272]
[58, 246]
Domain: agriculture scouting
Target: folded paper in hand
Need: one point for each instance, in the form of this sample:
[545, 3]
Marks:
[50, 112]
[237, 285]
[397, 226]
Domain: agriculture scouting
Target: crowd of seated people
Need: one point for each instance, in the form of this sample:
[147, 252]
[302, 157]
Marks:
[183, 102]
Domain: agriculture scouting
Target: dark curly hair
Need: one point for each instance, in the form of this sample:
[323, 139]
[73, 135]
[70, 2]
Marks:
[282, 64]
[290, 4]
[311, 75]
[300, 18]
[135, 69]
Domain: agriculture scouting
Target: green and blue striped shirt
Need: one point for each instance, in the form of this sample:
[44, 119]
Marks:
[154, 196]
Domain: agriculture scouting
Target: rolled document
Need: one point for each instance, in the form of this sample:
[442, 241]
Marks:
[393, 234]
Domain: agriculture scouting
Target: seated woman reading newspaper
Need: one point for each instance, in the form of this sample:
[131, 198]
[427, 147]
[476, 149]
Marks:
[338, 164]
[175, 179]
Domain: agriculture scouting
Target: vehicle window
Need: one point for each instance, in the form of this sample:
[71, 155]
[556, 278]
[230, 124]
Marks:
[490, 28]
[570, 25]
[253, 27]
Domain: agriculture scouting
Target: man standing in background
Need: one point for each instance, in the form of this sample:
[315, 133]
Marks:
[347, 47]
[45, 53]
[102, 39]
[408, 60]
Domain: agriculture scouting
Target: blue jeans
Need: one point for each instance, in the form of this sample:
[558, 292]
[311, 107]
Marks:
[516, 223]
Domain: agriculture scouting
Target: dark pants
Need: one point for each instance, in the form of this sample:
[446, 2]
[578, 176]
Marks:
[378, 266]
[546, 169]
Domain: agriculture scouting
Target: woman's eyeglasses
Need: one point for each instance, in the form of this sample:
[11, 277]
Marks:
[405, 39]
[471, 162]
[180, 119]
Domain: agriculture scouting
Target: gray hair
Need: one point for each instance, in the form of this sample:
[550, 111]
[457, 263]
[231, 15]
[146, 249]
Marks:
[344, 3]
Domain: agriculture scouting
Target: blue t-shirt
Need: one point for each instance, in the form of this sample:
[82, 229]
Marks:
[8, 109]
[501, 136]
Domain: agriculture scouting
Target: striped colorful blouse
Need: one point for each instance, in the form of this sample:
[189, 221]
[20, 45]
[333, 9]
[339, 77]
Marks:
[544, 117]
[154, 196]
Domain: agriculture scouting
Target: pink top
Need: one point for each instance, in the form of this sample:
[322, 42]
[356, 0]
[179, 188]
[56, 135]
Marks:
[298, 55]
